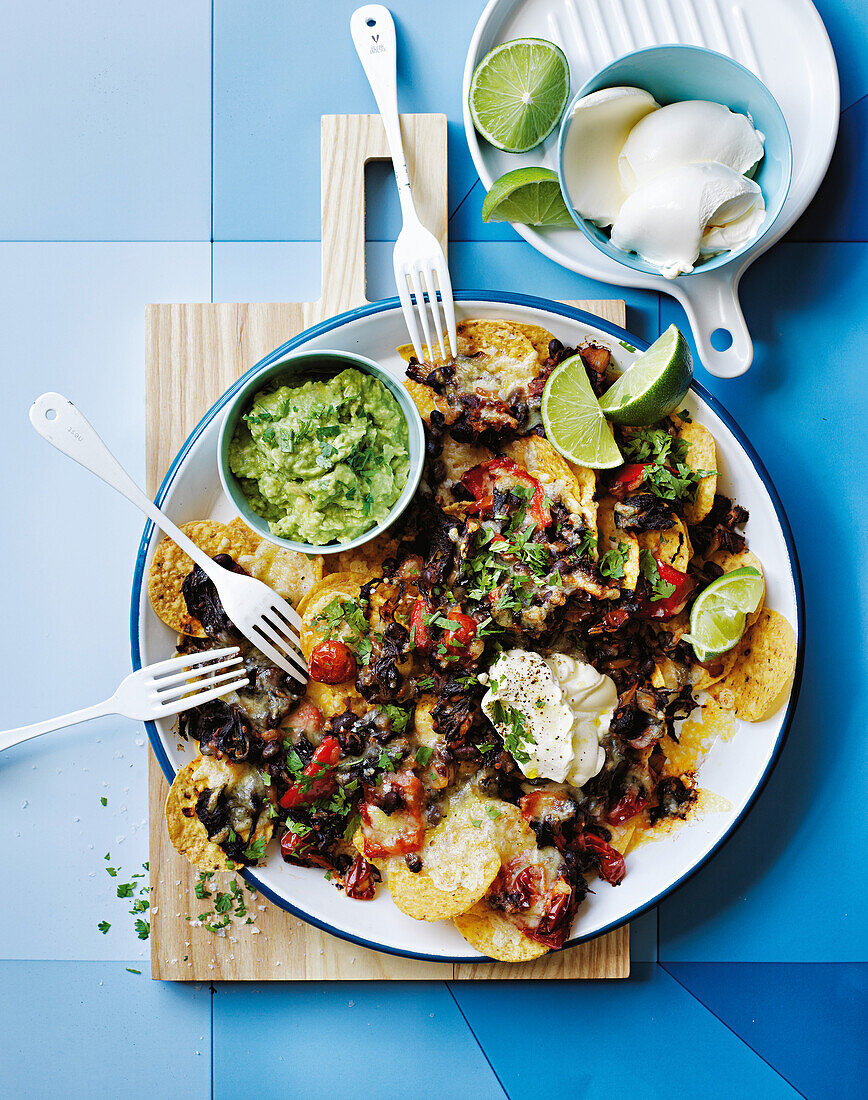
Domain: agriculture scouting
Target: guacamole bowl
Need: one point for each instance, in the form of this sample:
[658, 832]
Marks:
[295, 371]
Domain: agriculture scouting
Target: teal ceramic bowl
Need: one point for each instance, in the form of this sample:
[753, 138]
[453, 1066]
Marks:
[302, 367]
[676, 72]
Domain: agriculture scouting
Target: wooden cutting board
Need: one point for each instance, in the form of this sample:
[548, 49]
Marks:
[193, 354]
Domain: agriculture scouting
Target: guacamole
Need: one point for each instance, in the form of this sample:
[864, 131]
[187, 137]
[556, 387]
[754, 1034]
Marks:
[322, 461]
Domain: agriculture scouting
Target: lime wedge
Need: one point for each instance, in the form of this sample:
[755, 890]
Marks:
[654, 386]
[573, 419]
[718, 615]
[531, 196]
[518, 93]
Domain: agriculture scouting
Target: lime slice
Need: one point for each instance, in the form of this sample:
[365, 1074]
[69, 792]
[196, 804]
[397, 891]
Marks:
[573, 419]
[654, 386]
[718, 615]
[518, 93]
[531, 196]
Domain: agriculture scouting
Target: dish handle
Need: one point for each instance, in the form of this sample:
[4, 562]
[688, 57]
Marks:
[715, 316]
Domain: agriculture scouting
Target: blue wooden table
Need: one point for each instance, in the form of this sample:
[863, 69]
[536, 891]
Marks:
[169, 152]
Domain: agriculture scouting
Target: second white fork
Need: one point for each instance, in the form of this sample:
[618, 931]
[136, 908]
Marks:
[420, 265]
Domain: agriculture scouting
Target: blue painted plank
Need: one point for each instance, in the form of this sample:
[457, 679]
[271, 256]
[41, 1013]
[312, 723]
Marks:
[323, 1039]
[278, 67]
[792, 885]
[807, 1020]
[106, 127]
[81, 1030]
[838, 210]
[267, 271]
[847, 24]
[73, 321]
[597, 1040]
[477, 265]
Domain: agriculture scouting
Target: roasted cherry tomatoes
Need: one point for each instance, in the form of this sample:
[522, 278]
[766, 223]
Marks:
[332, 662]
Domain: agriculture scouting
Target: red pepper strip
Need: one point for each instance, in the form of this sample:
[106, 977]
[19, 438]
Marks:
[611, 862]
[462, 634]
[671, 605]
[420, 635]
[481, 479]
[628, 479]
[295, 847]
[319, 772]
[626, 807]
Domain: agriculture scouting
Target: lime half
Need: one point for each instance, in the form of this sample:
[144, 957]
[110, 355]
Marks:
[654, 386]
[718, 615]
[573, 419]
[518, 93]
[531, 196]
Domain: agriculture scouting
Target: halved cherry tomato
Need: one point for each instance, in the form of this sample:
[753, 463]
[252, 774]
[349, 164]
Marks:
[331, 662]
[671, 605]
[359, 882]
[611, 861]
[318, 776]
[295, 848]
[480, 481]
[408, 818]
[626, 807]
[305, 717]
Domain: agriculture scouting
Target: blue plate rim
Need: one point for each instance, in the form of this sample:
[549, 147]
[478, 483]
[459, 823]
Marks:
[621, 334]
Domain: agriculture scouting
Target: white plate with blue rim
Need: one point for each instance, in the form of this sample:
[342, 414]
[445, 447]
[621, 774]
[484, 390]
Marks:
[734, 770]
[783, 42]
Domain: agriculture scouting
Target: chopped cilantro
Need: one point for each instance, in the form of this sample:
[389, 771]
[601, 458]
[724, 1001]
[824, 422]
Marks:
[143, 929]
[423, 755]
[660, 589]
[612, 563]
[256, 850]
[129, 969]
[113, 871]
[511, 724]
[125, 890]
[104, 800]
[398, 717]
[103, 926]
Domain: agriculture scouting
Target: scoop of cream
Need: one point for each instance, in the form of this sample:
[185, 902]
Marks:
[565, 705]
[694, 131]
[687, 211]
[599, 125]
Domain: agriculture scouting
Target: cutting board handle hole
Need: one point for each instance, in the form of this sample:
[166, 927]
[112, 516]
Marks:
[721, 339]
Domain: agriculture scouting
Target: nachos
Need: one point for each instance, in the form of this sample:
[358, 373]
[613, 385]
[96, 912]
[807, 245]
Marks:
[503, 701]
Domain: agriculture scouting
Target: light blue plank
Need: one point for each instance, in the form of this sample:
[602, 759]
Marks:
[596, 1040]
[792, 885]
[279, 66]
[266, 271]
[82, 1030]
[105, 127]
[73, 321]
[328, 1039]
[805, 1019]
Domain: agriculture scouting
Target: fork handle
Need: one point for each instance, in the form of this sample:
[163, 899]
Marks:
[25, 733]
[373, 32]
[59, 422]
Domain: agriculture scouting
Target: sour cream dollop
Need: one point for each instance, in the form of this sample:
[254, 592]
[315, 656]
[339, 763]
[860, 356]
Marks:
[566, 707]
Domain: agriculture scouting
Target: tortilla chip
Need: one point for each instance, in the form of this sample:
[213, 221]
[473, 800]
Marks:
[335, 586]
[561, 479]
[743, 558]
[610, 536]
[169, 567]
[766, 661]
[540, 338]
[289, 572]
[186, 832]
[701, 455]
[243, 539]
[423, 721]
[671, 546]
[333, 699]
[488, 347]
[424, 398]
[458, 458]
[459, 863]
[366, 560]
[492, 934]
[714, 671]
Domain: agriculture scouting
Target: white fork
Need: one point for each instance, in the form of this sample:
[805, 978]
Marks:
[155, 691]
[418, 257]
[255, 610]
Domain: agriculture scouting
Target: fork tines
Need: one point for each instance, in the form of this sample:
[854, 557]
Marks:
[410, 292]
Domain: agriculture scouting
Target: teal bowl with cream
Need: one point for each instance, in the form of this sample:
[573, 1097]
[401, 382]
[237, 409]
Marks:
[672, 74]
[295, 370]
